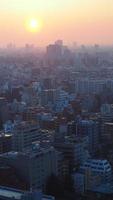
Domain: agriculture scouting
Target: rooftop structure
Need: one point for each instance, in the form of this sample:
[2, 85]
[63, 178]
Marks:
[7, 193]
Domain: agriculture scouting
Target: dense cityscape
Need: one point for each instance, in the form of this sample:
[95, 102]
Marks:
[56, 122]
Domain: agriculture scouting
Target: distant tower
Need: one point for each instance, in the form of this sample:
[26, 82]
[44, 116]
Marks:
[59, 42]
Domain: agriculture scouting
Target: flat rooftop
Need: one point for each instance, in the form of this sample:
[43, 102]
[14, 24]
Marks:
[10, 193]
[104, 188]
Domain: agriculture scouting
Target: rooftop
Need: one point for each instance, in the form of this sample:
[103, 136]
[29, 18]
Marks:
[10, 193]
[103, 188]
[36, 150]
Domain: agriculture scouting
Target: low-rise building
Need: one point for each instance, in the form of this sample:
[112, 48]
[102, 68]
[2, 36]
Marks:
[98, 167]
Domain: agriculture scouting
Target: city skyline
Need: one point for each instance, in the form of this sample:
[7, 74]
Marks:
[83, 21]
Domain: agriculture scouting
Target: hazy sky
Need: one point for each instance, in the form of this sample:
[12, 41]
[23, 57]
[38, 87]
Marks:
[83, 21]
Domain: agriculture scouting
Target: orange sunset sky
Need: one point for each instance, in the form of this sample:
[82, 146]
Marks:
[83, 21]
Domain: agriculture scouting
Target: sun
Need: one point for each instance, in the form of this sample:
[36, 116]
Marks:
[34, 25]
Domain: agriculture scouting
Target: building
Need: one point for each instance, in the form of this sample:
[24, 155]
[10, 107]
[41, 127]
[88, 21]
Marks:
[98, 167]
[107, 109]
[34, 166]
[73, 150]
[59, 42]
[48, 83]
[5, 142]
[79, 182]
[4, 111]
[85, 181]
[24, 133]
[54, 53]
[71, 128]
[91, 129]
[108, 133]
[92, 86]
[103, 191]
[49, 96]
